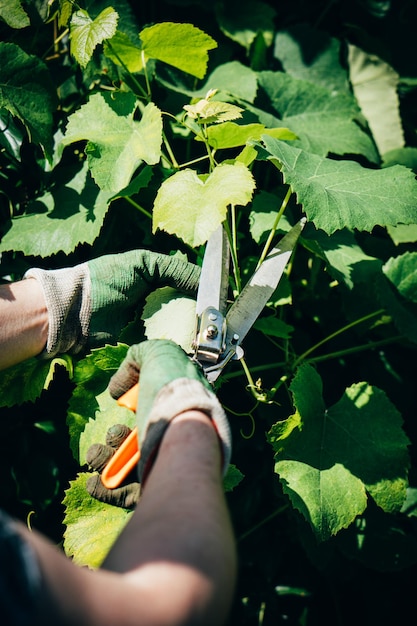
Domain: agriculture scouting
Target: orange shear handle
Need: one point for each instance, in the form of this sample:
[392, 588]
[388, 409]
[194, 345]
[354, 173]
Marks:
[128, 455]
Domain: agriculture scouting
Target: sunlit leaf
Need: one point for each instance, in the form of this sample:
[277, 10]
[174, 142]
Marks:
[324, 121]
[25, 381]
[124, 52]
[91, 377]
[162, 307]
[232, 135]
[117, 143]
[402, 272]
[87, 33]
[337, 194]
[14, 14]
[62, 218]
[336, 456]
[375, 85]
[91, 526]
[192, 207]
[182, 45]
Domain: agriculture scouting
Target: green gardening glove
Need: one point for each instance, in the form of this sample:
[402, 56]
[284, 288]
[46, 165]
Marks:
[92, 302]
[169, 384]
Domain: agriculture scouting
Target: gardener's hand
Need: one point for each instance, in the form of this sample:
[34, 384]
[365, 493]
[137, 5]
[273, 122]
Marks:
[170, 383]
[98, 455]
[94, 301]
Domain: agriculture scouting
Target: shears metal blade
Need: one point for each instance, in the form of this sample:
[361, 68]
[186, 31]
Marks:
[219, 335]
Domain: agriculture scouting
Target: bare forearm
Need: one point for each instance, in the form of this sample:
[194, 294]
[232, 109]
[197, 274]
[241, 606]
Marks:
[23, 322]
[185, 534]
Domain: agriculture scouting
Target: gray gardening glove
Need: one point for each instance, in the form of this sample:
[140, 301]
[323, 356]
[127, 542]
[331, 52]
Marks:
[169, 384]
[94, 301]
[98, 455]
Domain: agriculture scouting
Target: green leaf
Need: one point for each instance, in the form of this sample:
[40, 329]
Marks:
[265, 207]
[91, 377]
[13, 14]
[402, 313]
[331, 458]
[339, 194]
[233, 477]
[402, 272]
[274, 327]
[162, 307]
[183, 46]
[117, 144]
[346, 260]
[312, 55]
[86, 34]
[192, 207]
[324, 120]
[403, 233]
[375, 85]
[213, 111]
[123, 51]
[25, 381]
[91, 526]
[232, 78]
[62, 218]
[27, 91]
[231, 135]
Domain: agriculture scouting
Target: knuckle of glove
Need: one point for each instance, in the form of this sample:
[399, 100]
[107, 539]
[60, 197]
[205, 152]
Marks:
[98, 455]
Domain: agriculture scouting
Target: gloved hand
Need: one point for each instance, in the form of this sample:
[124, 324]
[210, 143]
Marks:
[170, 383]
[94, 301]
[98, 455]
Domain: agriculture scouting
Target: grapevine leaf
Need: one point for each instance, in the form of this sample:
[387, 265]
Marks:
[117, 144]
[192, 207]
[231, 135]
[27, 91]
[375, 85]
[338, 194]
[312, 55]
[62, 218]
[25, 381]
[401, 156]
[402, 272]
[232, 78]
[324, 120]
[164, 305]
[91, 526]
[91, 377]
[213, 111]
[183, 46]
[332, 457]
[86, 34]
[346, 260]
[13, 14]
[233, 477]
[403, 313]
[123, 51]
[265, 207]
[274, 327]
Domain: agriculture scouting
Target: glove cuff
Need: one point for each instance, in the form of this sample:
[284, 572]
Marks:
[182, 394]
[67, 296]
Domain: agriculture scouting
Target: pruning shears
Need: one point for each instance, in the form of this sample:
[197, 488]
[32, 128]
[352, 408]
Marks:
[219, 333]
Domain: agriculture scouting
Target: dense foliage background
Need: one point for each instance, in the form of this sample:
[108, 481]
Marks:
[324, 414]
